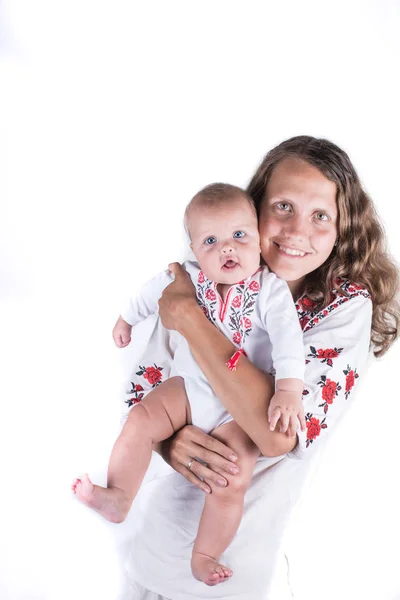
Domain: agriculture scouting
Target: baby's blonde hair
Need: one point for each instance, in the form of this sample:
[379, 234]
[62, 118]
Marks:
[216, 194]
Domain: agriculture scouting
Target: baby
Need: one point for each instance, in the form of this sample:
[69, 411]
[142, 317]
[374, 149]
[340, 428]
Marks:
[255, 310]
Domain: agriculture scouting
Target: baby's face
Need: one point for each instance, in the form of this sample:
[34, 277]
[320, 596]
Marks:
[225, 240]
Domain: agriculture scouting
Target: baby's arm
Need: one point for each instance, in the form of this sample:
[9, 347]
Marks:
[139, 308]
[282, 325]
[286, 406]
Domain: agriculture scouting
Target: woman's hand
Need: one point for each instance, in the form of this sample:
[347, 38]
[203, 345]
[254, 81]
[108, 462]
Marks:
[190, 443]
[178, 299]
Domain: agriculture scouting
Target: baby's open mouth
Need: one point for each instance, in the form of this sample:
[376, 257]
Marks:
[229, 264]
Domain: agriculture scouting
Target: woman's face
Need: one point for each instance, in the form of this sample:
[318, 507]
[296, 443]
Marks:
[298, 221]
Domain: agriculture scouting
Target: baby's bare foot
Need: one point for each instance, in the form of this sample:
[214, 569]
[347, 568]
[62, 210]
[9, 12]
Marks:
[111, 503]
[208, 570]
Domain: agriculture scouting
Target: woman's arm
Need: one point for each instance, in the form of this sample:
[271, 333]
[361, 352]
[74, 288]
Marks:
[246, 392]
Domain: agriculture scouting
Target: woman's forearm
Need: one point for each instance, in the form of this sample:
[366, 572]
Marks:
[245, 393]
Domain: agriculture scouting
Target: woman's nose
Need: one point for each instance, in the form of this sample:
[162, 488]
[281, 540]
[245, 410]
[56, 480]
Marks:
[296, 227]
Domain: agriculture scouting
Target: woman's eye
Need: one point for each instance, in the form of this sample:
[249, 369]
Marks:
[283, 206]
[320, 216]
[239, 234]
[210, 240]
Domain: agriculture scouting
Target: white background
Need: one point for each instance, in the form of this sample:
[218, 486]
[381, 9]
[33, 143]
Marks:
[112, 115]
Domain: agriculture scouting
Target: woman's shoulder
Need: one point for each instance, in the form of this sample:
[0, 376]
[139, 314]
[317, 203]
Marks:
[344, 293]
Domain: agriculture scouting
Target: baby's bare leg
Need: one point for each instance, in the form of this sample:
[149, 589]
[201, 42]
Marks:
[164, 411]
[223, 508]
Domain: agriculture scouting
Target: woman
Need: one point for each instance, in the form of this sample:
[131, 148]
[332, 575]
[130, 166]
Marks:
[319, 232]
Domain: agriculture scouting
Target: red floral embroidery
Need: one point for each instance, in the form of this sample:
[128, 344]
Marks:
[242, 306]
[237, 301]
[206, 296]
[314, 427]
[246, 322]
[254, 286]
[309, 318]
[136, 389]
[152, 374]
[326, 355]
[351, 376]
[304, 321]
[329, 391]
[307, 303]
[237, 337]
[210, 295]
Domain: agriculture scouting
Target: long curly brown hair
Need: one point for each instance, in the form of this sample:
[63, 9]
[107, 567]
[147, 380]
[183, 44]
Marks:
[360, 254]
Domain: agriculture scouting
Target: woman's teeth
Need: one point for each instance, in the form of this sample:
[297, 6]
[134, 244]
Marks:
[291, 252]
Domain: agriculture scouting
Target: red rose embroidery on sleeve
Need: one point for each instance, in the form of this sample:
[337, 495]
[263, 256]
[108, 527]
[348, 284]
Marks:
[314, 427]
[329, 391]
[137, 397]
[200, 278]
[351, 376]
[325, 355]
[152, 374]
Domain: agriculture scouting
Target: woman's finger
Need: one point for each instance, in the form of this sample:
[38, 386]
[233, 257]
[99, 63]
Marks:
[215, 462]
[192, 477]
[179, 272]
[208, 474]
[190, 435]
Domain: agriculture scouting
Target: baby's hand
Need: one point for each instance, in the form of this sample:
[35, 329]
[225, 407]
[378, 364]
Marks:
[286, 407]
[122, 333]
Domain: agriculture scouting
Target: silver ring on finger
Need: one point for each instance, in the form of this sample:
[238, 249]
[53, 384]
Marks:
[190, 464]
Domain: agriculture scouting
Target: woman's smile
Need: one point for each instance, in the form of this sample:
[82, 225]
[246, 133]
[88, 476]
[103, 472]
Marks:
[289, 251]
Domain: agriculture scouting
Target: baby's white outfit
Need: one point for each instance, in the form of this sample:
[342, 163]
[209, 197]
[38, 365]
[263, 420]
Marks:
[258, 316]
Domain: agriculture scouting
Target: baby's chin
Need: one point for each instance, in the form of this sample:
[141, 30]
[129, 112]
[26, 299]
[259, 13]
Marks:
[230, 276]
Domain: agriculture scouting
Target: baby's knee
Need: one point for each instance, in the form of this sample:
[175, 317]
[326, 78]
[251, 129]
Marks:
[137, 418]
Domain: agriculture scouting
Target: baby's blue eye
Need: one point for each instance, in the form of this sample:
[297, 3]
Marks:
[239, 234]
[210, 240]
